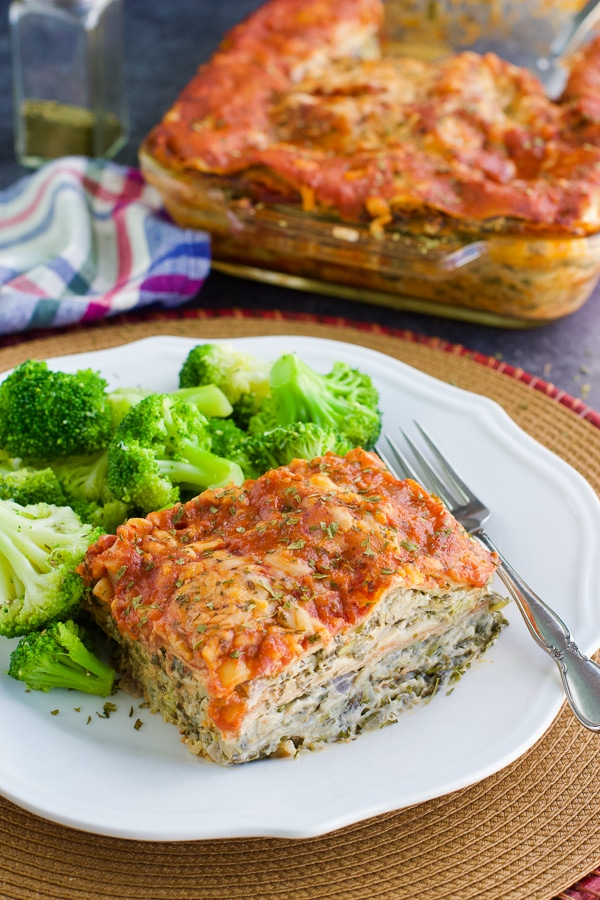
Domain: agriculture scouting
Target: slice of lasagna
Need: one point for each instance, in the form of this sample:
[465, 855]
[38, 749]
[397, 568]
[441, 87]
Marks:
[320, 600]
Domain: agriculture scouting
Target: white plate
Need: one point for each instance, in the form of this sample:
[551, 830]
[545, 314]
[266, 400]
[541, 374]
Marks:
[106, 777]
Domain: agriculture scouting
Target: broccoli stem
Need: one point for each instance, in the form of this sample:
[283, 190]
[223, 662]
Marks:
[62, 672]
[301, 395]
[207, 398]
[20, 566]
[57, 657]
[10, 582]
[78, 655]
[200, 469]
[34, 544]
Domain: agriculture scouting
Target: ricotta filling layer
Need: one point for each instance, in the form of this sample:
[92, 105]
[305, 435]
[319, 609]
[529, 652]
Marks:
[414, 645]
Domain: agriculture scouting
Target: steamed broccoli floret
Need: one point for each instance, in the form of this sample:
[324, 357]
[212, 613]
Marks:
[302, 440]
[344, 400]
[229, 441]
[8, 463]
[122, 399]
[243, 410]
[45, 414]
[85, 486]
[59, 658]
[257, 453]
[105, 516]
[243, 378]
[161, 449]
[28, 485]
[267, 418]
[40, 547]
[208, 399]
[83, 477]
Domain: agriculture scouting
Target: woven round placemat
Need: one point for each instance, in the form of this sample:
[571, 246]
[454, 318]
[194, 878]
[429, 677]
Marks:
[525, 833]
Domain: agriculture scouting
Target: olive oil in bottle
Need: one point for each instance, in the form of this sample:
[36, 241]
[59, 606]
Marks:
[68, 85]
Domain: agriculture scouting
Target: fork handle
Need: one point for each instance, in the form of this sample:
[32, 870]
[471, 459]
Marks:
[580, 674]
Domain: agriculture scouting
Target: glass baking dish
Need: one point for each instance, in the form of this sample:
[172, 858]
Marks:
[510, 281]
[523, 33]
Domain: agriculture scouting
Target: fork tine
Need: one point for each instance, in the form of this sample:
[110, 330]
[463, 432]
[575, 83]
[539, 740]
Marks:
[431, 478]
[446, 468]
[392, 467]
[407, 469]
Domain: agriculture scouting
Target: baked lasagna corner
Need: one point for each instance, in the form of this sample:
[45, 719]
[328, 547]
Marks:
[304, 607]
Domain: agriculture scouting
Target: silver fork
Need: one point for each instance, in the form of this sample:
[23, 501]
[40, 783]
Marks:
[580, 674]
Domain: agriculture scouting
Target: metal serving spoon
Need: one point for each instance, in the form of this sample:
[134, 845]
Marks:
[549, 69]
[526, 35]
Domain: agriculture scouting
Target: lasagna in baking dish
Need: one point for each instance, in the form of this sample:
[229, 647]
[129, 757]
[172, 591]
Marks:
[304, 607]
[298, 105]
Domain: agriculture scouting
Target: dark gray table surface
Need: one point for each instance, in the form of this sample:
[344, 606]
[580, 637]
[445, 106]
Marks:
[165, 41]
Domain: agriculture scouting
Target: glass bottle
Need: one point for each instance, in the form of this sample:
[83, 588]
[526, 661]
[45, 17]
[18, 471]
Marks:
[68, 83]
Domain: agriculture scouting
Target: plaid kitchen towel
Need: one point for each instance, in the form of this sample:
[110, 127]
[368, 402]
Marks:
[81, 239]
